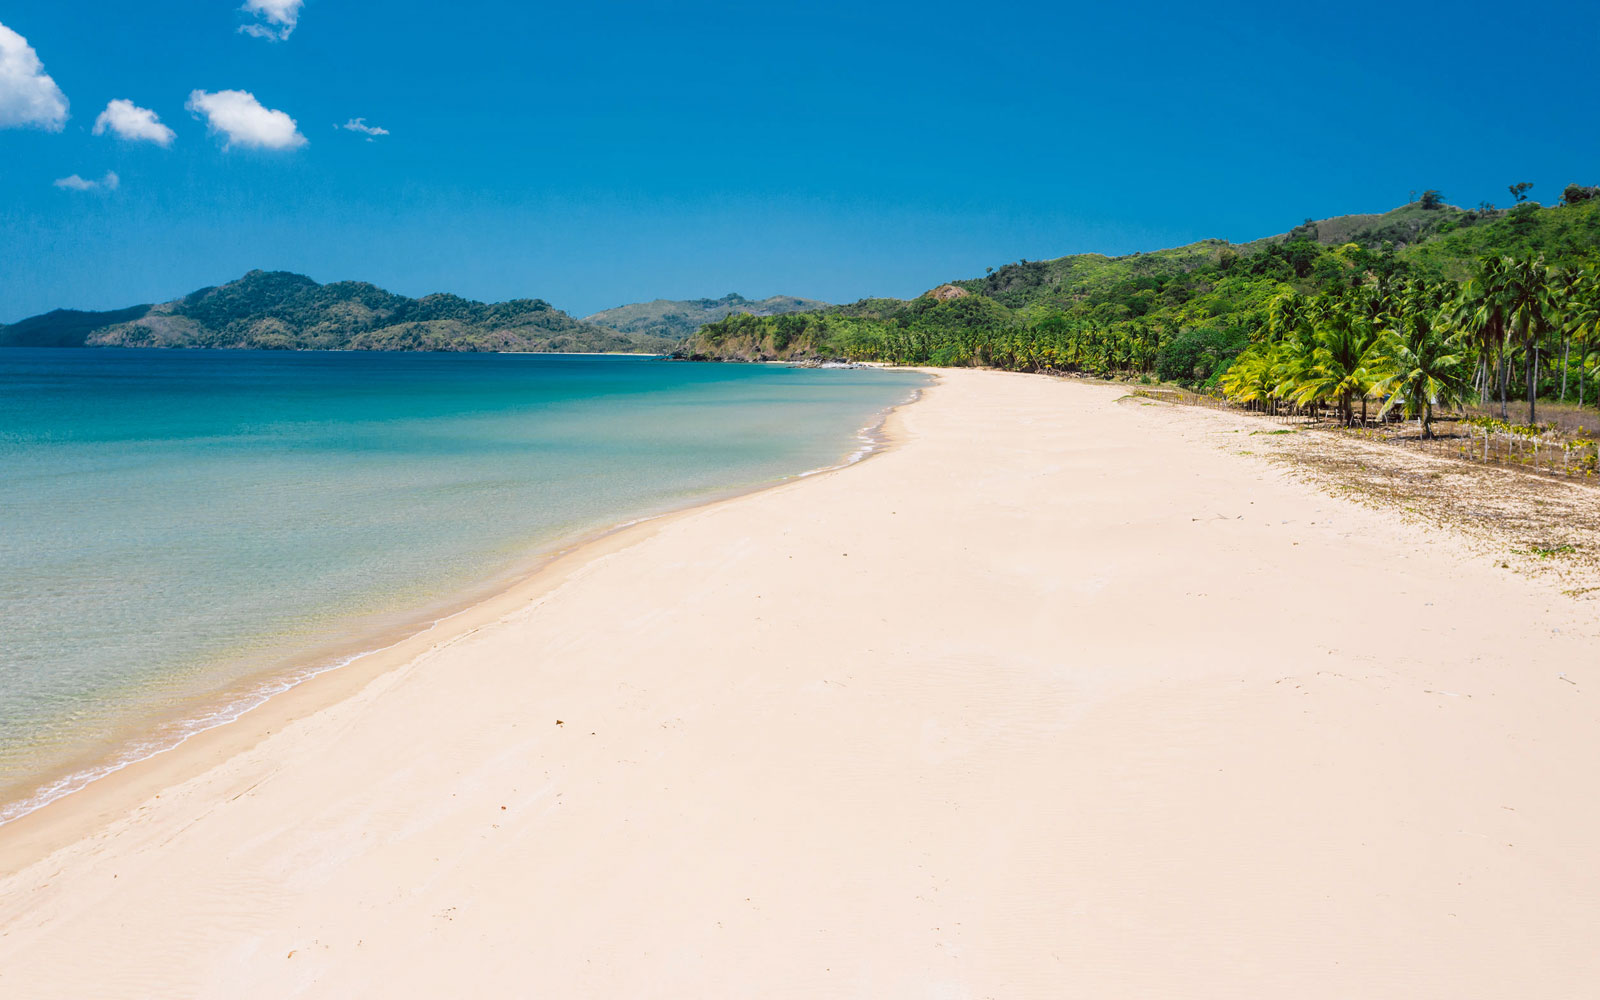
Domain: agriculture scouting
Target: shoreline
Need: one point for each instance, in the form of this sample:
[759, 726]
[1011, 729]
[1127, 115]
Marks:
[251, 694]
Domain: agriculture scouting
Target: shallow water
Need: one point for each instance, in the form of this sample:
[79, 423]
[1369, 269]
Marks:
[173, 523]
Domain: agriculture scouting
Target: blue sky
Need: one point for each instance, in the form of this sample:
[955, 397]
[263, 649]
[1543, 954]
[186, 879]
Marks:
[600, 153]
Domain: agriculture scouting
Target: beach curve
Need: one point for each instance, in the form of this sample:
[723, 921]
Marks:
[951, 722]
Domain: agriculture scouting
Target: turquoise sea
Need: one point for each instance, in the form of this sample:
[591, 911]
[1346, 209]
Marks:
[183, 533]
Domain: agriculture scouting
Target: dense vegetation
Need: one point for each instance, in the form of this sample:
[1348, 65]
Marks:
[279, 310]
[1189, 314]
[1418, 345]
[677, 319]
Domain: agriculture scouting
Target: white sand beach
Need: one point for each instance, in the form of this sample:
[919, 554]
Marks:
[1054, 698]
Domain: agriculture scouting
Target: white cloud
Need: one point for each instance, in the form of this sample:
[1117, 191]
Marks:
[239, 116]
[133, 122]
[27, 95]
[360, 125]
[285, 14]
[110, 182]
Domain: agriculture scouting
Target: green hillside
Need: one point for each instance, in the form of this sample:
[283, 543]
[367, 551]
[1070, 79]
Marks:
[677, 319]
[1105, 315]
[1409, 224]
[1564, 236]
[284, 311]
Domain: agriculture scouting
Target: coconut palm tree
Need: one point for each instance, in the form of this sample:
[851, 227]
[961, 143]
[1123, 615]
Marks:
[1252, 379]
[1530, 307]
[1287, 315]
[1481, 314]
[1582, 316]
[1342, 361]
[1424, 365]
[1565, 291]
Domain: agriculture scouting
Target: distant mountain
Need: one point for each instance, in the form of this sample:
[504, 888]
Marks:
[280, 310]
[64, 327]
[677, 319]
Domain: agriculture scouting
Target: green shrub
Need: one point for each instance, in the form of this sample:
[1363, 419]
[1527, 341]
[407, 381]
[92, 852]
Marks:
[1195, 357]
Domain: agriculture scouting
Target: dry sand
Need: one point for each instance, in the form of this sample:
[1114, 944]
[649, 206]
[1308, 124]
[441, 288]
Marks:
[1055, 698]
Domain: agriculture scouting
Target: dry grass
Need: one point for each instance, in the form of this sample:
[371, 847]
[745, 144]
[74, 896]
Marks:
[1544, 524]
[1568, 418]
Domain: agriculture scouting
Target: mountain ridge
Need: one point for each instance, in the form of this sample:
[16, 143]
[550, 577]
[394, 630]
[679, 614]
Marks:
[678, 318]
[281, 310]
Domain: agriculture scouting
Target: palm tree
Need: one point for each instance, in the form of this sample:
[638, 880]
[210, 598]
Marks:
[1565, 290]
[1583, 317]
[1252, 378]
[1529, 306]
[1342, 359]
[1287, 315]
[1380, 304]
[1424, 366]
[1482, 315]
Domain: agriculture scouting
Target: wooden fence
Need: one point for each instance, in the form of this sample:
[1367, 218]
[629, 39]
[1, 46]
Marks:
[1525, 451]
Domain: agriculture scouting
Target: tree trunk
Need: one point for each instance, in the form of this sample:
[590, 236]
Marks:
[1533, 383]
[1566, 356]
[1505, 411]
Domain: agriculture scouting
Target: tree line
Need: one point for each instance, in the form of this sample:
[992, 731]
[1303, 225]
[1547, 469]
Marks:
[1420, 345]
[1491, 303]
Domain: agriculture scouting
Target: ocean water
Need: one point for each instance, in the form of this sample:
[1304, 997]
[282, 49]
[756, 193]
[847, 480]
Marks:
[183, 533]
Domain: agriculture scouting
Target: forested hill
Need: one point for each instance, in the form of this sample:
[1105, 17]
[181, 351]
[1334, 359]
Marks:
[677, 318]
[280, 310]
[1093, 313]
